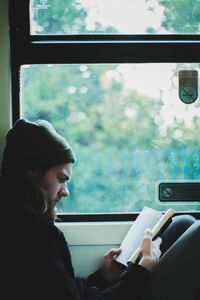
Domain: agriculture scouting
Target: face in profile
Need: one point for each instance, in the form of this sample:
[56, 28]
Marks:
[55, 183]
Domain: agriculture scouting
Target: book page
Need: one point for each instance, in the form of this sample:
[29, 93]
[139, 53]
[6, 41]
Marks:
[146, 219]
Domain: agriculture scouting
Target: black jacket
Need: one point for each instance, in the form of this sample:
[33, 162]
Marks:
[35, 263]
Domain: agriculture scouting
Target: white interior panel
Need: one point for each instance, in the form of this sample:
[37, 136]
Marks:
[89, 241]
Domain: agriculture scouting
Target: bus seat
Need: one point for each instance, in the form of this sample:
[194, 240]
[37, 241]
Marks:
[177, 275]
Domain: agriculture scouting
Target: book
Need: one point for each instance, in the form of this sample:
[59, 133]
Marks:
[148, 218]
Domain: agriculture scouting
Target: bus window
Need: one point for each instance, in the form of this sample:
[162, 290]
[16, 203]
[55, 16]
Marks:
[127, 125]
[106, 76]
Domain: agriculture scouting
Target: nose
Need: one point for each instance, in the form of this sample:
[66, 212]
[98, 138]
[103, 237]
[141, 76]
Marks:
[64, 191]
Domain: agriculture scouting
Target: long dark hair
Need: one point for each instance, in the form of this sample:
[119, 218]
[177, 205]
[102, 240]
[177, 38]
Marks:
[27, 192]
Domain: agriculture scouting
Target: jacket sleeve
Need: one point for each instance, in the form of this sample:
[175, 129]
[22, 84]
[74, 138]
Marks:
[50, 274]
[130, 285]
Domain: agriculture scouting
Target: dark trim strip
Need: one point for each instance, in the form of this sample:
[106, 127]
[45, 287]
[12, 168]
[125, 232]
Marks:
[110, 217]
[117, 37]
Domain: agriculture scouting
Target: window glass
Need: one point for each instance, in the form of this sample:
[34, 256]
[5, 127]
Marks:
[128, 128]
[61, 17]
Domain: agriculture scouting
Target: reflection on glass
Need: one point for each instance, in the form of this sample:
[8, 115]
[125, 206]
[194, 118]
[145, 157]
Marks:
[63, 17]
[127, 125]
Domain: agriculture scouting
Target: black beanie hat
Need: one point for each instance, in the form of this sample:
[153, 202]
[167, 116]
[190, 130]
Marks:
[32, 145]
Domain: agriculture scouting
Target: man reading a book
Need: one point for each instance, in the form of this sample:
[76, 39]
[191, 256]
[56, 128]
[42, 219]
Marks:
[35, 258]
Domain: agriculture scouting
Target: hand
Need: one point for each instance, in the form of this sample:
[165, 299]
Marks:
[111, 270]
[150, 251]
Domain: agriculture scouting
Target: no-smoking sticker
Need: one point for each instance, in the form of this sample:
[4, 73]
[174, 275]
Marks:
[188, 86]
[167, 192]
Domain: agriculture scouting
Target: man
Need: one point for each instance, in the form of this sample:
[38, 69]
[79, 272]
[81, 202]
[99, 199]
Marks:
[35, 259]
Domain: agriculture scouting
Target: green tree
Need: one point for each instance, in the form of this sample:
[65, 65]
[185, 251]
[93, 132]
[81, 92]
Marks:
[181, 16]
[62, 17]
[114, 131]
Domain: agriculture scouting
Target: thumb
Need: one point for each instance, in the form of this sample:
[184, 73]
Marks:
[148, 233]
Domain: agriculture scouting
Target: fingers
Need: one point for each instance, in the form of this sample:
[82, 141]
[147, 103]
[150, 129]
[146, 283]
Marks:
[146, 246]
[155, 249]
[150, 250]
[157, 242]
[113, 253]
[146, 243]
[148, 233]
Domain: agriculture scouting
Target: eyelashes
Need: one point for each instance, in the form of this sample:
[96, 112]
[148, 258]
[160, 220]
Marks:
[61, 180]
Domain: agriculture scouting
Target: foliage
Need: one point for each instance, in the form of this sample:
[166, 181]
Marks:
[181, 16]
[63, 18]
[116, 131]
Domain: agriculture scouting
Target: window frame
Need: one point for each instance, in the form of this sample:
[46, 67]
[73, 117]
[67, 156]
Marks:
[57, 49]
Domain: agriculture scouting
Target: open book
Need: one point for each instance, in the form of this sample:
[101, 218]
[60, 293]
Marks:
[148, 218]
